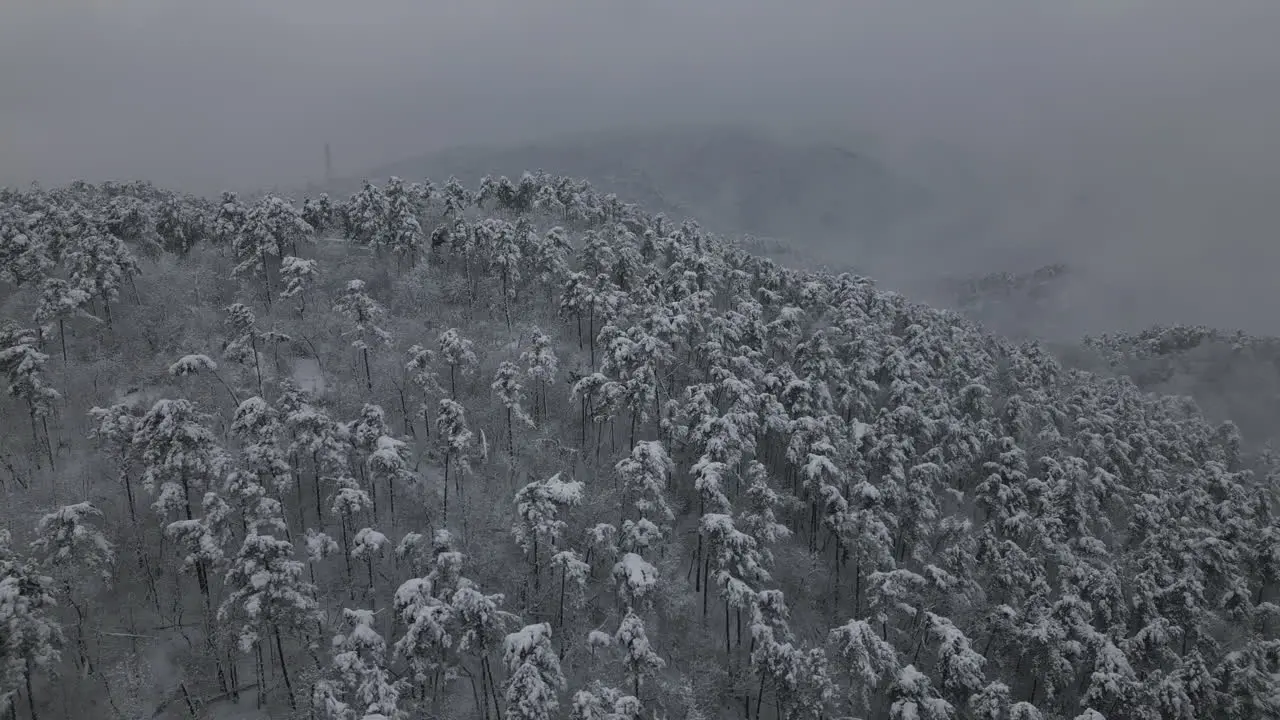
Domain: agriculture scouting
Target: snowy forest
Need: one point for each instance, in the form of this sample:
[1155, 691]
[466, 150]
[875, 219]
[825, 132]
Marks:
[525, 451]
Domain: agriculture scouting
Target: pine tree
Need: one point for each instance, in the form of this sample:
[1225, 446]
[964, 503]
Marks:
[258, 428]
[73, 550]
[535, 676]
[425, 379]
[367, 216]
[61, 301]
[364, 314]
[457, 440]
[541, 365]
[480, 623]
[644, 477]
[537, 507]
[369, 545]
[298, 275]
[99, 264]
[404, 233]
[248, 340]
[389, 462]
[230, 219]
[22, 364]
[359, 685]
[318, 213]
[639, 657]
[267, 593]
[913, 697]
[114, 427]
[868, 660]
[457, 353]
[33, 639]
[510, 392]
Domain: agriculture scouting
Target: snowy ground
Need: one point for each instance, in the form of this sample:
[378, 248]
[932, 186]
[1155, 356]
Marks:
[306, 373]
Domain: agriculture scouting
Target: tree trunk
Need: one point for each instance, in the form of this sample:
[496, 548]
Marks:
[48, 445]
[444, 515]
[727, 646]
[266, 281]
[257, 363]
[560, 611]
[346, 547]
[391, 496]
[31, 698]
[591, 334]
[537, 571]
[706, 585]
[315, 466]
[404, 412]
[128, 491]
[261, 674]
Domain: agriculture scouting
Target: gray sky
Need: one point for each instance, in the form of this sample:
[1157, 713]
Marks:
[1111, 126]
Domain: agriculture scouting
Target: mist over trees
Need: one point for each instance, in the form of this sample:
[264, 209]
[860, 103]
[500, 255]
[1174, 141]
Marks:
[530, 451]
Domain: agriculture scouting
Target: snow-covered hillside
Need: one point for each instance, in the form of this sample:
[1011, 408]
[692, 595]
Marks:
[571, 459]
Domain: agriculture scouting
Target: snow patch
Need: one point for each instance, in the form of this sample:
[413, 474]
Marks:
[307, 375]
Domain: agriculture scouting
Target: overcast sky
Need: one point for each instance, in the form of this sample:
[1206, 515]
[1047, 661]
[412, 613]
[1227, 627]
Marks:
[1142, 122]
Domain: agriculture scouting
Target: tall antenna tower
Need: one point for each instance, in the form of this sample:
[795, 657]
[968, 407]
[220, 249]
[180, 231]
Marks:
[328, 165]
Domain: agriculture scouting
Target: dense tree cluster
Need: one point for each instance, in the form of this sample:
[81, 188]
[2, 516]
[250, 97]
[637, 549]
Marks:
[718, 487]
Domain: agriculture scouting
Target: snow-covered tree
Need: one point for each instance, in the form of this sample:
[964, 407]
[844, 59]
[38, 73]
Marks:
[534, 673]
[113, 427]
[480, 622]
[247, 341]
[913, 697]
[423, 376]
[635, 580]
[369, 545]
[510, 392]
[537, 506]
[358, 685]
[574, 573]
[644, 477]
[267, 593]
[541, 364]
[367, 216]
[638, 656]
[457, 353]
[867, 659]
[600, 702]
[389, 462]
[364, 313]
[404, 232]
[319, 213]
[229, 220]
[22, 365]
[100, 264]
[61, 301]
[457, 440]
[298, 275]
[32, 637]
[272, 228]
[73, 550]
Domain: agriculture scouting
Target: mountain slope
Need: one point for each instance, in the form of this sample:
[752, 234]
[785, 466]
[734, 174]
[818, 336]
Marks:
[569, 459]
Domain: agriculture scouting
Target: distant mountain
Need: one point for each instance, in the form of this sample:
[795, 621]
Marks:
[732, 180]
